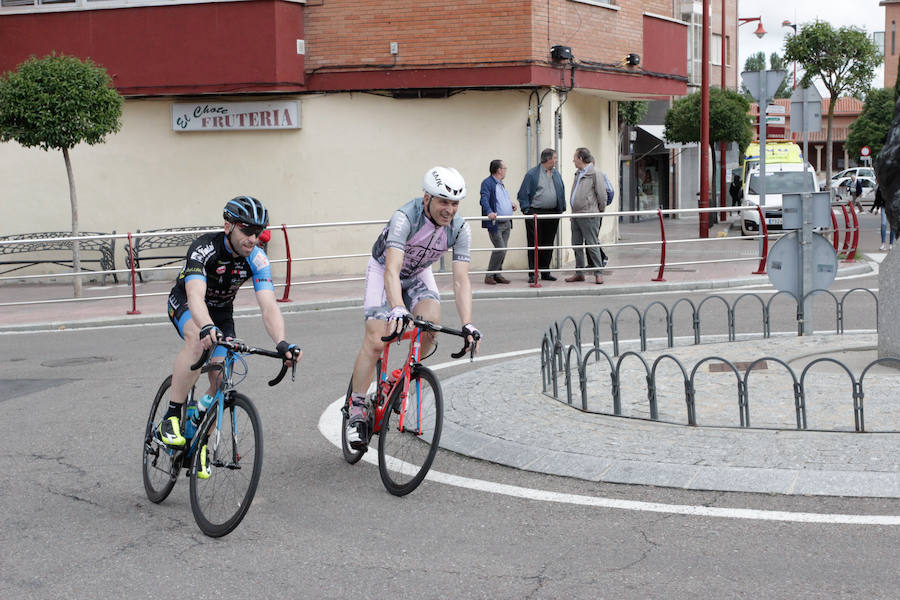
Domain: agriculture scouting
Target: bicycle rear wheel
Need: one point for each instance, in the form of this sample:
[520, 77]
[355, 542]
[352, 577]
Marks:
[234, 455]
[160, 463]
[405, 454]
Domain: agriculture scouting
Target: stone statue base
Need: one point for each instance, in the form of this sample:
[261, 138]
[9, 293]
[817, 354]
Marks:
[889, 305]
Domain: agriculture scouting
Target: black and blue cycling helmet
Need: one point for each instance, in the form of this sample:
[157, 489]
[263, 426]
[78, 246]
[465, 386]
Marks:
[247, 210]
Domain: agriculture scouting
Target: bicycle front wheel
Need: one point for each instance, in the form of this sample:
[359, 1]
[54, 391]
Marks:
[160, 465]
[406, 449]
[234, 455]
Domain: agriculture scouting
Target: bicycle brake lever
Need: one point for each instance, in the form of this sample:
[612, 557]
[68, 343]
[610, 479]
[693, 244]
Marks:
[475, 339]
[294, 371]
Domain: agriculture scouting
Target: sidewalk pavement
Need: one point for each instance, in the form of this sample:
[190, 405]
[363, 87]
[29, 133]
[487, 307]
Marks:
[631, 269]
[498, 413]
[493, 415]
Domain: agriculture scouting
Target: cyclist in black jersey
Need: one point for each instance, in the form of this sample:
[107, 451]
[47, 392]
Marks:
[200, 303]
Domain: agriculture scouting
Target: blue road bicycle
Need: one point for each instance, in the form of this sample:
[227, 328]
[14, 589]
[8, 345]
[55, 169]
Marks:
[231, 432]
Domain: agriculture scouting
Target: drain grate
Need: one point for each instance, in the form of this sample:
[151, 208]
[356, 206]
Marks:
[740, 366]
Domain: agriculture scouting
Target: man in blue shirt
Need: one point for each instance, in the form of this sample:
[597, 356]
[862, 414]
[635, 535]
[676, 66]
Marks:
[496, 204]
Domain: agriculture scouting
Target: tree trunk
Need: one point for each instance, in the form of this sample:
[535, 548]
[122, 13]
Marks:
[73, 199]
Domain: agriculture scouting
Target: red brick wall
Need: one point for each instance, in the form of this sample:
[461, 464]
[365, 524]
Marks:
[451, 44]
[429, 32]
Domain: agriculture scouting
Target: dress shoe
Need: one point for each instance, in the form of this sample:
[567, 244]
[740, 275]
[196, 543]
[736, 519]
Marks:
[489, 280]
[547, 277]
[500, 279]
[575, 277]
[598, 279]
[531, 278]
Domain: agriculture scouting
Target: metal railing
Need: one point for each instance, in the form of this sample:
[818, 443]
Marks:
[850, 232]
[571, 360]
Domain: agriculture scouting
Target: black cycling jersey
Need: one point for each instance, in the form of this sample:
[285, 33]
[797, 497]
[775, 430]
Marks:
[209, 259]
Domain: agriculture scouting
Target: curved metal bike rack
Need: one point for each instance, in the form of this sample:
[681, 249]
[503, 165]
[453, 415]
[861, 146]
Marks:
[571, 359]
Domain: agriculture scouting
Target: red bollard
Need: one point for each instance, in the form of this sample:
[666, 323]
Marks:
[662, 257]
[134, 310]
[287, 252]
[765, 242]
[537, 270]
[851, 252]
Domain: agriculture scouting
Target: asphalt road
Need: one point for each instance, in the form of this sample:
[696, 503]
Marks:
[76, 522]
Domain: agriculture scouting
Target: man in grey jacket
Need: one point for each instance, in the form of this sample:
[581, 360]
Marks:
[588, 196]
[542, 192]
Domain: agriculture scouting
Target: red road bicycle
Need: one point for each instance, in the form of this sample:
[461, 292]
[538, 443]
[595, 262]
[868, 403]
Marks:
[406, 411]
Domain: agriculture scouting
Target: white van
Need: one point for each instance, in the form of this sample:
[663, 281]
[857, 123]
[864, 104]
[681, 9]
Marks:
[781, 178]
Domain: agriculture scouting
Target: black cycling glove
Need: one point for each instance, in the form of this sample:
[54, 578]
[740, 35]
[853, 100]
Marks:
[283, 348]
[208, 329]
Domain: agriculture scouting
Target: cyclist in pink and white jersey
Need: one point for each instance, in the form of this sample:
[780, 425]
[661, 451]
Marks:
[399, 279]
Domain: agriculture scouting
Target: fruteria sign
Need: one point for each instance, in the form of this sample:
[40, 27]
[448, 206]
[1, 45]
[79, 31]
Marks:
[231, 116]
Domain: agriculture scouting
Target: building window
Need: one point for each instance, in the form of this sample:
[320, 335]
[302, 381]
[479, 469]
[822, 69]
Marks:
[35, 3]
[598, 2]
[893, 33]
[728, 50]
[715, 51]
[32, 6]
[692, 14]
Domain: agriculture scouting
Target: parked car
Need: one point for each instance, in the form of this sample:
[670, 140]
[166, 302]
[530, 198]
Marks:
[860, 172]
[842, 189]
[781, 178]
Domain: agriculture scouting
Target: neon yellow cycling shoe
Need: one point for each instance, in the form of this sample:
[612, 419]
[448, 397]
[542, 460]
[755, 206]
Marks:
[169, 432]
[203, 471]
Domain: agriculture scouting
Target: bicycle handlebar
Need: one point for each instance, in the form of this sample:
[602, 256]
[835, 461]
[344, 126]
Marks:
[429, 326]
[237, 346]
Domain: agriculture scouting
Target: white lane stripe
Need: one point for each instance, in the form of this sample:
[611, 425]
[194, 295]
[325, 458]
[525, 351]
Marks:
[330, 427]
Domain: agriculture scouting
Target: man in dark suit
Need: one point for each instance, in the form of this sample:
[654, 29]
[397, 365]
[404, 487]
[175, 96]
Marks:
[496, 204]
[542, 192]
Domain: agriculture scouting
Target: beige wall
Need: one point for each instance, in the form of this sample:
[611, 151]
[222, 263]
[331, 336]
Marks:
[357, 157]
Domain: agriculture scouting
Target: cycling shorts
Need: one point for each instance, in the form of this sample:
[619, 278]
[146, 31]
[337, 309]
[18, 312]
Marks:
[180, 314]
[419, 287]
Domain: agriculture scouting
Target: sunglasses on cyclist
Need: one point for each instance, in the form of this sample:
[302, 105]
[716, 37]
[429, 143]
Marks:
[251, 230]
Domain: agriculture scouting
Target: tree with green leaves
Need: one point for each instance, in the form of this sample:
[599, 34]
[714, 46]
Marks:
[57, 102]
[844, 59]
[874, 122]
[630, 112]
[757, 62]
[729, 121]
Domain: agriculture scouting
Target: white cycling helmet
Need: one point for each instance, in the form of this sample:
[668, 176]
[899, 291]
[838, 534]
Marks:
[444, 182]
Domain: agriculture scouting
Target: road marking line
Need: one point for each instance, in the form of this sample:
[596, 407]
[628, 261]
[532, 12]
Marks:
[330, 427]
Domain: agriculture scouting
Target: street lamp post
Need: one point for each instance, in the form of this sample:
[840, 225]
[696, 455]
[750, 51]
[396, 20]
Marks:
[704, 123]
[793, 26]
[723, 201]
